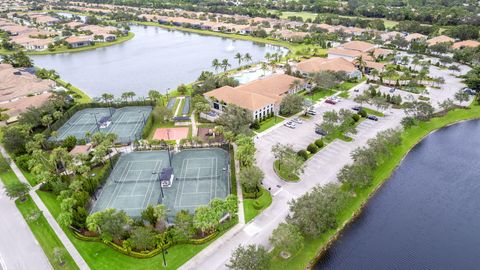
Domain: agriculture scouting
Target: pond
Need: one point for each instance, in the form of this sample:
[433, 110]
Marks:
[426, 216]
[156, 58]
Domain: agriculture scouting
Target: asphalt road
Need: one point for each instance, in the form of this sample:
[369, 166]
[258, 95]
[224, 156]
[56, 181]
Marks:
[19, 250]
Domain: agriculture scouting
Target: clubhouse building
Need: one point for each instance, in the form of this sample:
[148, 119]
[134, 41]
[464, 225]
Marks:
[261, 97]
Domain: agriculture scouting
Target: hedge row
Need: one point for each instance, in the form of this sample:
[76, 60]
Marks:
[145, 254]
[252, 195]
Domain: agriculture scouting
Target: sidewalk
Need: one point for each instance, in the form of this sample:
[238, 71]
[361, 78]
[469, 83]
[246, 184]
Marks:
[51, 220]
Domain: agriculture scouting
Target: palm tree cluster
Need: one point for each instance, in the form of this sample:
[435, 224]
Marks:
[224, 64]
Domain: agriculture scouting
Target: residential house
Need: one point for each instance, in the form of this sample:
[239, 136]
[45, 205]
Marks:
[465, 44]
[261, 97]
[79, 41]
[415, 37]
[440, 39]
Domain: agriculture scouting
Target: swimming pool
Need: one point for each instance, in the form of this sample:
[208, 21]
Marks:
[248, 76]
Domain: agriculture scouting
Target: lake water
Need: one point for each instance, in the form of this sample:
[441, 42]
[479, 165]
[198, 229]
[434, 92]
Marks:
[156, 58]
[426, 216]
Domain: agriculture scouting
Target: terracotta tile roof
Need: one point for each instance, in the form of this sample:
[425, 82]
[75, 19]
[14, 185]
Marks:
[243, 99]
[439, 39]
[20, 105]
[360, 46]
[75, 39]
[256, 94]
[81, 149]
[415, 36]
[466, 43]
[317, 64]
[15, 83]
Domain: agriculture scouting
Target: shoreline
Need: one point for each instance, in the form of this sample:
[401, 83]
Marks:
[64, 50]
[416, 135]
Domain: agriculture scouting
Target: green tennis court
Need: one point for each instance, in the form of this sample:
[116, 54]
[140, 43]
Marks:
[126, 122]
[199, 175]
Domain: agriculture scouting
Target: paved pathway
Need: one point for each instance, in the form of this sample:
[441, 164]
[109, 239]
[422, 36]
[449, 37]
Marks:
[51, 220]
[19, 250]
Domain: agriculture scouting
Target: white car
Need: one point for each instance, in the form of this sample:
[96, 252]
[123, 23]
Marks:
[297, 120]
[290, 125]
[311, 112]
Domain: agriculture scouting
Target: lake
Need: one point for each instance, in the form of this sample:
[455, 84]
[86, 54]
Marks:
[156, 58]
[426, 216]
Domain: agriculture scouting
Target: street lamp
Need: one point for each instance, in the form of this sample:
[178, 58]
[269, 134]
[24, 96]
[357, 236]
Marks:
[163, 255]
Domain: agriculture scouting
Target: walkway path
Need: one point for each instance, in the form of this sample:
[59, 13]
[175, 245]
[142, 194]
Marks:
[19, 250]
[51, 220]
[180, 100]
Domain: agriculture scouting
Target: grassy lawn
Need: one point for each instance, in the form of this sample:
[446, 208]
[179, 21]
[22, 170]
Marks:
[410, 138]
[319, 94]
[79, 95]
[6, 174]
[373, 112]
[99, 256]
[283, 174]
[264, 201]
[310, 15]
[45, 235]
[270, 122]
[64, 49]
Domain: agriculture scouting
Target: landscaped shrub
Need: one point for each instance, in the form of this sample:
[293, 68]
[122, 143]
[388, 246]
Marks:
[362, 113]
[257, 205]
[312, 148]
[356, 117]
[303, 154]
[255, 125]
[319, 143]
[22, 162]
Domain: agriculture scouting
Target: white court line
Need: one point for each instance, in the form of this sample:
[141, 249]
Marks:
[129, 196]
[123, 175]
[180, 185]
[151, 186]
[191, 193]
[132, 190]
[2, 263]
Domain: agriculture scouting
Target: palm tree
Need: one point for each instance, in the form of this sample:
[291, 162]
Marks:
[361, 64]
[374, 74]
[296, 84]
[268, 56]
[239, 58]
[264, 67]
[107, 97]
[247, 57]
[125, 96]
[225, 64]
[216, 64]
[46, 120]
[154, 95]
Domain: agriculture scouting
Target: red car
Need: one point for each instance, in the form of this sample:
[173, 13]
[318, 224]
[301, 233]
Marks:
[330, 101]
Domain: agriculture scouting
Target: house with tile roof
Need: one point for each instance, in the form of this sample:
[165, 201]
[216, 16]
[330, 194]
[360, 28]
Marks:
[318, 64]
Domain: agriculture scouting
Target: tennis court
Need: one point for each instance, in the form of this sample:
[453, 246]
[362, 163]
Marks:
[126, 122]
[199, 175]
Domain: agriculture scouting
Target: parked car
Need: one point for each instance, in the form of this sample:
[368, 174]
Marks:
[297, 120]
[357, 108]
[320, 131]
[372, 117]
[290, 124]
[392, 90]
[469, 91]
[356, 90]
[311, 112]
[330, 101]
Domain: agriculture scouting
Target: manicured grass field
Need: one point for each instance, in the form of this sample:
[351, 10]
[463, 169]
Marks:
[101, 257]
[6, 174]
[319, 94]
[284, 174]
[80, 96]
[373, 112]
[250, 212]
[310, 15]
[270, 122]
[410, 138]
